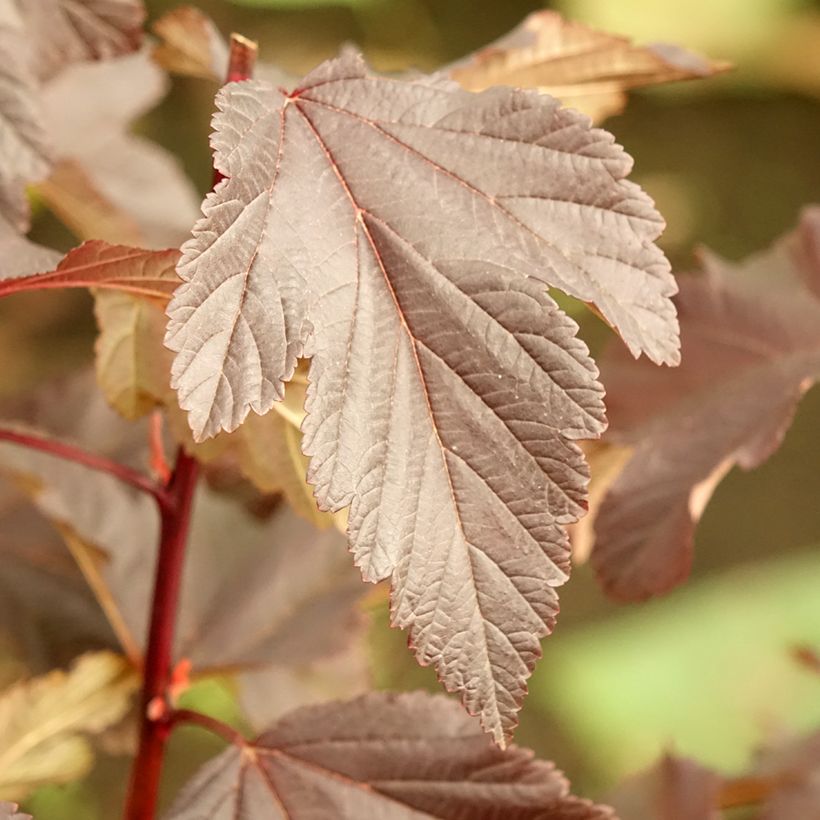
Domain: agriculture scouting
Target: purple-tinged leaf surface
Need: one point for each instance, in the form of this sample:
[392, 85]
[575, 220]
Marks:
[751, 348]
[401, 234]
[380, 756]
[71, 31]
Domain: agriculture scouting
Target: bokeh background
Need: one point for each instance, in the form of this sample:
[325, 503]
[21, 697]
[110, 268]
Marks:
[708, 670]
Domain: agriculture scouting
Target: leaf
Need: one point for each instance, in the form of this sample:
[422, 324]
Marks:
[20, 256]
[133, 382]
[190, 44]
[24, 144]
[285, 595]
[386, 756]
[71, 31]
[584, 68]
[97, 264]
[751, 348]
[269, 693]
[675, 788]
[47, 613]
[72, 196]
[447, 389]
[124, 181]
[790, 775]
[44, 721]
[8, 811]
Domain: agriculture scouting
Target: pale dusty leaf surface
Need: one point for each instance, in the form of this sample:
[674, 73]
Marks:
[44, 721]
[751, 348]
[386, 756]
[429, 329]
[584, 68]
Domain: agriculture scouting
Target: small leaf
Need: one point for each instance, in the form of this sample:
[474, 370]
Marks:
[24, 144]
[44, 721]
[191, 45]
[124, 180]
[675, 788]
[97, 264]
[20, 257]
[751, 348]
[8, 811]
[584, 68]
[70, 31]
[72, 196]
[447, 389]
[385, 756]
[132, 365]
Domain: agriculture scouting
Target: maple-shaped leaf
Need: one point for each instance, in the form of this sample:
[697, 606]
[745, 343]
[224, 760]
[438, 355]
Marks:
[387, 756]
[70, 31]
[675, 788]
[401, 234]
[751, 348]
[44, 721]
[585, 68]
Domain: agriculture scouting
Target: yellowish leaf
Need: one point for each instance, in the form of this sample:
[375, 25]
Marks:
[45, 722]
[132, 365]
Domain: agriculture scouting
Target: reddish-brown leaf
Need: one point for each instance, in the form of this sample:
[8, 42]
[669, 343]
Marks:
[70, 31]
[447, 389]
[97, 264]
[751, 348]
[190, 44]
[386, 756]
[584, 68]
[675, 788]
[123, 180]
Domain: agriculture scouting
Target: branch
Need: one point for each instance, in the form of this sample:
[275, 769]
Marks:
[157, 720]
[69, 452]
[154, 730]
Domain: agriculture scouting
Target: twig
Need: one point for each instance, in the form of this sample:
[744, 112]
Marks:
[145, 775]
[69, 452]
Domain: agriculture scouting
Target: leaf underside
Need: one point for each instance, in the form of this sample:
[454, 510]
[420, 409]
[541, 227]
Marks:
[401, 234]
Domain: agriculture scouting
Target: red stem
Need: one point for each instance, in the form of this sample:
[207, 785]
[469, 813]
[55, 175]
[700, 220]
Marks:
[214, 726]
[69, 452]
[154, 731]
[157, 717]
